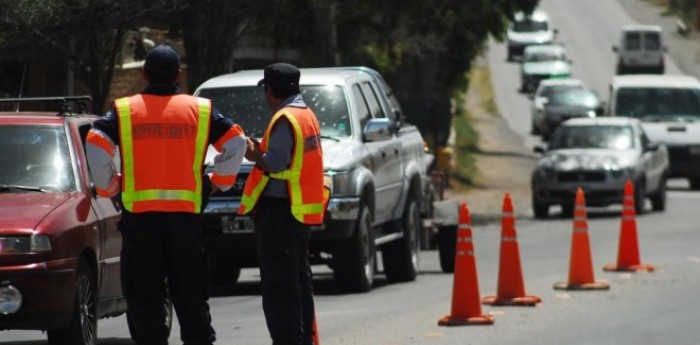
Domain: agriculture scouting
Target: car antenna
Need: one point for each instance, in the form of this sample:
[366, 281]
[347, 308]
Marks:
[21, 85]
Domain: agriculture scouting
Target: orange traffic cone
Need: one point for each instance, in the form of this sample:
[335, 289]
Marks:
[511, 289]
[466, 309]
[315, 335]
[628, 248]
[581, 264]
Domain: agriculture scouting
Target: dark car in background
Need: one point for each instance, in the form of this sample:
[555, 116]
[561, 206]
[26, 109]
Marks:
[59, 243]
[564, 104]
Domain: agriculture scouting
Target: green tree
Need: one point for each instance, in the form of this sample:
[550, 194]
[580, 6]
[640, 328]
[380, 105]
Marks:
[88, 34]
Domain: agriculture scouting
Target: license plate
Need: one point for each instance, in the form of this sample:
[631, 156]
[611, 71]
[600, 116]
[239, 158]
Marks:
[232, 224]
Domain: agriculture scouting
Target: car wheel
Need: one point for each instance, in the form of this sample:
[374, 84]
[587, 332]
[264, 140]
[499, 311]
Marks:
[354, 260]
[401, 256]
[639, 197]
[695, 183]
[658, 200]
[567, 210]
[83, 324]
[540, 209]
[167, 308]
[447, 246]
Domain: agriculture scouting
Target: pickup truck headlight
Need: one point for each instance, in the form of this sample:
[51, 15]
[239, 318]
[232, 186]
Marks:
[341, 183]
[25, 244]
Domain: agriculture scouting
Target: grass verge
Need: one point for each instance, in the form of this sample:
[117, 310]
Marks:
[466, 136]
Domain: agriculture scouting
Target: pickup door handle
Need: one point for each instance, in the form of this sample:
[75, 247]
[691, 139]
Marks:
[396, 152]
[383, 154]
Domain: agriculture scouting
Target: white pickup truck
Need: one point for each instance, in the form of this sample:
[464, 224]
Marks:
[381, 191]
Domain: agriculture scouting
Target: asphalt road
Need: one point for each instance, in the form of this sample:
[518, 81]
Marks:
[644, 308]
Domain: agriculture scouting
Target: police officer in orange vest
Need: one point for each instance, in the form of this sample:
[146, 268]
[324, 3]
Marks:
[286, 192]
[163, 136]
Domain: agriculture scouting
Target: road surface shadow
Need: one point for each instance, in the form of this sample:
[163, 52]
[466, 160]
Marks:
[103, 341]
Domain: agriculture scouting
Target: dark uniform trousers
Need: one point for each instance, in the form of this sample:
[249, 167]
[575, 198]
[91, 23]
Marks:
[156, 245]
[287, 285]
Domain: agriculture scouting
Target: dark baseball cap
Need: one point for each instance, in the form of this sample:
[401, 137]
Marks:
[162, 64]
[281, 77]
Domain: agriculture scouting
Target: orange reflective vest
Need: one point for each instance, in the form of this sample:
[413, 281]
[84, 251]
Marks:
[304, 176]
[163, 141]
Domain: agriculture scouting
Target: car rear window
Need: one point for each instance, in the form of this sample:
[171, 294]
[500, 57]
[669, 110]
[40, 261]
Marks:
[35, 156]
[632, 40]
[246, 106]
[658, 104]
[652, 41]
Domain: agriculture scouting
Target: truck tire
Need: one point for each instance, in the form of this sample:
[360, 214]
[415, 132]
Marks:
[401, 257]
[82, 329]
[658, 200]
[447, 246]
[354, 260]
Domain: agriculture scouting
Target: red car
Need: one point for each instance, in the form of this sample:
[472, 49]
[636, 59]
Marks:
[59, 243]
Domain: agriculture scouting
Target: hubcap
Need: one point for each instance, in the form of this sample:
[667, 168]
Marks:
[86, 310]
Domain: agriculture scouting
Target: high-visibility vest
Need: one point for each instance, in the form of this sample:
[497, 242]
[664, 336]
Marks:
[307, 195]
[163, 141]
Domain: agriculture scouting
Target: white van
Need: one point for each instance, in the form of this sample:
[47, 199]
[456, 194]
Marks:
[669, 108]
[641, 49]
[527, 30]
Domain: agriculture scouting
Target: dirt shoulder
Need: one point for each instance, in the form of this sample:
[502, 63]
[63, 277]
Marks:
[503, 163]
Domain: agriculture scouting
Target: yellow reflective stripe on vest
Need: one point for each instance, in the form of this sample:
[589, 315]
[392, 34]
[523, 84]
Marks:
[248, 201]
[293, 174]
[124, 112]
[200, 149]
[130, 195]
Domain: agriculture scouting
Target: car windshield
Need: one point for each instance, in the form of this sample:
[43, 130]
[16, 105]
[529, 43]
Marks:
[592, 137]
[658, 104]
[35, 156]
[543, 56]
[575, 97]
[246, 106]
[528, 25]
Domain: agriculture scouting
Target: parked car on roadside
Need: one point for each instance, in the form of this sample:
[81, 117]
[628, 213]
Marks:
[669, 109]
[564, 104]
[59, 243]
[544, 90]
[527, 30]
[542, 62]
[375, 160]
[641, 50]
[599, 155]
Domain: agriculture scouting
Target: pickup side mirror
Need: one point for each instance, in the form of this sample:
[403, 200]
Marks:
[398, 116]
[377, 130]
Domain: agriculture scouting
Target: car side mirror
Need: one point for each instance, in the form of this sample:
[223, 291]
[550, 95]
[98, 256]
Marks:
[651, 147]
[614, 49]
[398, 116]
[377, 130]
[538, 149]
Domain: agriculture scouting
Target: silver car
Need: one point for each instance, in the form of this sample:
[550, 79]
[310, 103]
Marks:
[599, 155]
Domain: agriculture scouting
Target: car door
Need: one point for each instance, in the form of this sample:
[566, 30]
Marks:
[108, 214]
[385, 156]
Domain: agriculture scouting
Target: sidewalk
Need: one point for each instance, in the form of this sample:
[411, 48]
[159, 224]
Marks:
[685, 50]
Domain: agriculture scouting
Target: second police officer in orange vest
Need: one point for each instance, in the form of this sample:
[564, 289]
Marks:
[163, 137]
[285, 189]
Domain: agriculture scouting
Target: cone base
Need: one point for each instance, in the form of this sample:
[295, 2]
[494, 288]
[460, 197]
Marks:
[527, 301]
[449, 320]
[598, 285]
[632, 268]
